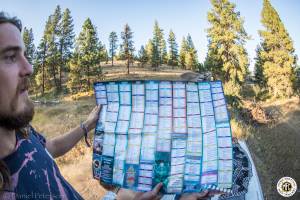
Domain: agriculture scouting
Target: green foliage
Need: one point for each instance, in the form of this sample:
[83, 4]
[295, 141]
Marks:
[173, 49]
[143, 57]
[188, 54]
[53, 53]
[66, 42]
[29, 45]
[152, 54]
[297, 82]
[85, 65]
[232, 92]
[30, 55]
[103, 53]
[113, 39]
[258, 69]
[42, 77]
[227, 57]
[277, 57]
[191, 58]
[159, 54]
[183, 52]
[127, 45]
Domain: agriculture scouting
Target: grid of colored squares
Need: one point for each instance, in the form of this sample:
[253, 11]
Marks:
[173, 132]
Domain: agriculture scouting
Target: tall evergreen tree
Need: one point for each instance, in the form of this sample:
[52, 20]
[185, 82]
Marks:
[191, 58]
[159, 45]
[30, 55]
[277, 53]
[29, 45]
[183, 52]
[42, 77]
[143, 58]
[127, 45]
[227, 57]
[103, 53]
[66, 42]
[113, 38]
[53, 53]
[85, 65]
[152, 54]
[173, 49]
[258, 68]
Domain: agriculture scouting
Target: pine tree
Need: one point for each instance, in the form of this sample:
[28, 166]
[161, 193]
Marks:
[66, 42]
[159, 45]
[53, 53]
[42, 77]
[277, 53]
[113, 38]
[227, 56]
[152, 54]
[29, 45]
[142, 57]
[258, 68]
[30, 55]
[148, 48]
[85, 64]
[103, 53]
[173, 50]
[183, 53]
[191, 58]
[127, 45]
[40, 65]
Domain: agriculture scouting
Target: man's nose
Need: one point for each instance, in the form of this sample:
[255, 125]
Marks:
[26, 67]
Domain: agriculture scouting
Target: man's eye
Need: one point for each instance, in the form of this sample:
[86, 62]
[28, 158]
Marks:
[10, 58]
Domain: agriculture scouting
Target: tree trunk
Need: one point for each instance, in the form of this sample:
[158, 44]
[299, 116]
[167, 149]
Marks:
[88, 77]
[54, 77]
[61, 68]
[43, 78]
[112, 59]
[128, 66]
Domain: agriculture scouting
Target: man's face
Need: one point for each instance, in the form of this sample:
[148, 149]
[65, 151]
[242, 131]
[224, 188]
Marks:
[16, 109]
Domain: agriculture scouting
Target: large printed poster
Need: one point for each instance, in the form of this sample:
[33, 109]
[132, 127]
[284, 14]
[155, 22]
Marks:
[173, 132]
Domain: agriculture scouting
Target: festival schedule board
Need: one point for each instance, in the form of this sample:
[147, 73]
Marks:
[174, 132]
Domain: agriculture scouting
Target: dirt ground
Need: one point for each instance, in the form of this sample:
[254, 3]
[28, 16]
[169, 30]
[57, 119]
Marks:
[275, 148]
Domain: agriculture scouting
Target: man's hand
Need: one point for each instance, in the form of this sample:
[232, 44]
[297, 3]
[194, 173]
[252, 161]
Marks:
[201, 195]
[91, 121]
[153, 194]
[60, 145]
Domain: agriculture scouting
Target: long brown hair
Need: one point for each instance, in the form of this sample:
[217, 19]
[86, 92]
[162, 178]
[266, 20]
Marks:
[4, 171]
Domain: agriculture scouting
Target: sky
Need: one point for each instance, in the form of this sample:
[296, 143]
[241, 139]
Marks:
[182, 16]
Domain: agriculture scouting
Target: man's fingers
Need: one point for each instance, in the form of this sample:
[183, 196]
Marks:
[98, 108]
[157, 188]
[158, 197]
[212, 193]
[202, 194]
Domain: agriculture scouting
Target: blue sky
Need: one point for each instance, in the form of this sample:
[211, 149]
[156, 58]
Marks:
[182, 16]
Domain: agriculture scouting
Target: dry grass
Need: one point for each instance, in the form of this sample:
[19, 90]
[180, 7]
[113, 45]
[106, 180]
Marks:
[275, 147]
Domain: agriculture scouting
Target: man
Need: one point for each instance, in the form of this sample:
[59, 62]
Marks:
[27, 168]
